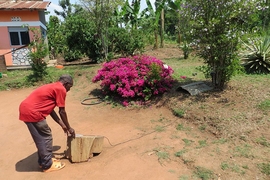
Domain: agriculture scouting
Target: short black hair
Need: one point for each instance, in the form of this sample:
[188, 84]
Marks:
[66, 79]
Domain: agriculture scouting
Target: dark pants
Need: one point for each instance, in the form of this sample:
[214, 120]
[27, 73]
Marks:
[42, 136]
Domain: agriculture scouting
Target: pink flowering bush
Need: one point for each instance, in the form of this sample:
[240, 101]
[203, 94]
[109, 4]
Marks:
[133, 78]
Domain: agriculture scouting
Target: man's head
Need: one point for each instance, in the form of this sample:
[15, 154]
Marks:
[67, 81]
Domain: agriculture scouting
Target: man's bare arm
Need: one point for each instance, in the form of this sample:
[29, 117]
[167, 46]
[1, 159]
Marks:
[64, 118]
[58, 120]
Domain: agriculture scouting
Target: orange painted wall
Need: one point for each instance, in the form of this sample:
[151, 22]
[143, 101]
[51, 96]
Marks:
[4, 42]
[5, 45]
[5, 16]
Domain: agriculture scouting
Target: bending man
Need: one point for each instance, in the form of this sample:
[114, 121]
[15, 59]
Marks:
[34, 110]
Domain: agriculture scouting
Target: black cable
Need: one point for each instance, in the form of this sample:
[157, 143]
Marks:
[100, 100]
[94, 100]
[137, 137]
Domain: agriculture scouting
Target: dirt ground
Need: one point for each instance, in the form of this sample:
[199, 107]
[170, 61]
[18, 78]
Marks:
[139, 144]
[134, 158]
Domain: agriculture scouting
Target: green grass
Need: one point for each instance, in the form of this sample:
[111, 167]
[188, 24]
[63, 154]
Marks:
[202, 127]
[234, 167]
[220, 141]
[183, 177]
[264, 105]
[17, 79]
[187, 142]
[264, 168]
[159, 128]
[163, 155]
[243, 151]
[202, 143]
[263, 141]
[181, 127]
[203, 173]
[179, 112]
[183, 67]
[224, 165]
[180, 153]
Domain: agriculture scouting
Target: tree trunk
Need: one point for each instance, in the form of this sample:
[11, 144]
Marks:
[156, 40]
[178, 32]
[162, 29]
[179, 37]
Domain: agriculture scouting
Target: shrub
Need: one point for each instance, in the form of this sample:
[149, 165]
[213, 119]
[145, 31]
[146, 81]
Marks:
[135, 78]
[130, 43]
[82, 38]
[256, 55]
[186, 49]
[38, 50]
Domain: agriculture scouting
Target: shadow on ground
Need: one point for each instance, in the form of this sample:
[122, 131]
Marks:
[30, 163]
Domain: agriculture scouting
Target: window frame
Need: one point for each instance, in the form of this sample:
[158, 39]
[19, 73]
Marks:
[19, 31]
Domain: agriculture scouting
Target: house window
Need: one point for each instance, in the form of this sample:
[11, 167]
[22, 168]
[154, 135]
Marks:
[19, 36]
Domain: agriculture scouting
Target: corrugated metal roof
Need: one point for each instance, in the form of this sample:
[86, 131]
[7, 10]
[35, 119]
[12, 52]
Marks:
[195, 88]
[24, 5]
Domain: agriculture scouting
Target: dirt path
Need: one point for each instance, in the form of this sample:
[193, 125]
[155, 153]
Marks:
[135, 157]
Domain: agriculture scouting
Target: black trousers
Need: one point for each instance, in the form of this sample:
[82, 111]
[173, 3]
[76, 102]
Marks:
[42, 136]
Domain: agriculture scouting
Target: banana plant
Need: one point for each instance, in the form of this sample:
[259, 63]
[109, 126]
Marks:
[175, 8]
[117, 17]
[131, 13]
[154, 16]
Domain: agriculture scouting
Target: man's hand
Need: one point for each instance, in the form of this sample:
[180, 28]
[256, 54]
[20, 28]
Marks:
[64, 128]
[71, 131]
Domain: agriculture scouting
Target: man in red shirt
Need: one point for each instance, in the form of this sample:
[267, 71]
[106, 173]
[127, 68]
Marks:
[34, 110]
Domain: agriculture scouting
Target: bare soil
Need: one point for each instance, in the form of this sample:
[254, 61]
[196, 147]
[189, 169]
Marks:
[218, 134]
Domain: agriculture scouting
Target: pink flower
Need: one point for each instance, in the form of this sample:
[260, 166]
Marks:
[183, 77]
[134, 77]
[112, 87]
[140, 82]
[125, 103]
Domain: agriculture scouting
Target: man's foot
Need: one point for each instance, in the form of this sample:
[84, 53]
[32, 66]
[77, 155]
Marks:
[55, 166]
[53, 160]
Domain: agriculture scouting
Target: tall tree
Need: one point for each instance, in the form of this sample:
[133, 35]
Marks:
[67, 8]
[55, 37]
[216, 26]
[100, 12]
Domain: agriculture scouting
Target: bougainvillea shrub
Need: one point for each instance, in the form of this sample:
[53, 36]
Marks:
[135, 78]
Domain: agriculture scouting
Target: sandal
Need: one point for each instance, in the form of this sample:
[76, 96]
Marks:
[55, 166]
[53, 160]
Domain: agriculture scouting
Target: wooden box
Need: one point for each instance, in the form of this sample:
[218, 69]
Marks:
[82, 148]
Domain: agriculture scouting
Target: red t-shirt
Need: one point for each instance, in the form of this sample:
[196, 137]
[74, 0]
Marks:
[42, 101]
